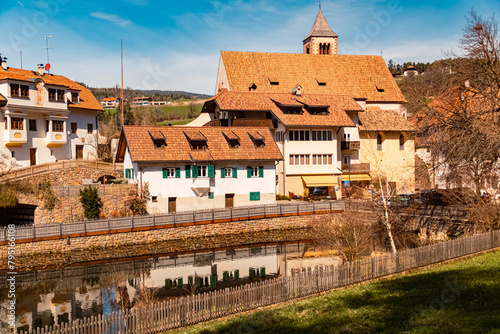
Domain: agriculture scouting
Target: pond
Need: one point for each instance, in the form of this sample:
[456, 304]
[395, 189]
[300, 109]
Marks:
[49, 296]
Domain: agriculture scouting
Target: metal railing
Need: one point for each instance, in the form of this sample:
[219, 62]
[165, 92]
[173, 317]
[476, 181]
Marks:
[126, 224]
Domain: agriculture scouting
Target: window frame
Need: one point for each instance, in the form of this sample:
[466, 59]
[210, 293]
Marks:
[32, 122]
[57, 126]
[90, 128]
[74, 127]
[402, 142]
[16, 123]
[379, 142]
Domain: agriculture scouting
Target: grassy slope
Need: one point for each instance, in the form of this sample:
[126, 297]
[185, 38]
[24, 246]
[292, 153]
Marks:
[418, 303]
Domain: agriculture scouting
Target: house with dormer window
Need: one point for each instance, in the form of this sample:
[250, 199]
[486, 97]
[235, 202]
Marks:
[46, 117]
[313, 104]
[200, 167]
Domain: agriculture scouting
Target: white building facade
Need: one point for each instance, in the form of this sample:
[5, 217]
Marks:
[202, 168]
[46, 118]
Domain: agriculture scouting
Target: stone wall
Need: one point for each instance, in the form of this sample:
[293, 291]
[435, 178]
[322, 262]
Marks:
[66, 185]
[105, 247]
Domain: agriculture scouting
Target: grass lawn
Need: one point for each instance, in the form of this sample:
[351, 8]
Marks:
[462, 297]
[176, 122]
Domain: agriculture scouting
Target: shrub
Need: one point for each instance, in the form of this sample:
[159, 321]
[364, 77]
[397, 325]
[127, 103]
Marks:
[49, 199]
[138, 203]
[91, 202]
[8, 196]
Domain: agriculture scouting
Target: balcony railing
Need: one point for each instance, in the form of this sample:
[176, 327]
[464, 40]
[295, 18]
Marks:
[350, 145]
[356, 168]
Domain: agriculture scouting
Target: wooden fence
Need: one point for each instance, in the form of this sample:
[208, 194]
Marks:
[193, 309]
[61, 165]
[169, 220]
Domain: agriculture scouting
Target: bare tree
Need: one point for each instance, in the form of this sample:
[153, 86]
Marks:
[349, 235]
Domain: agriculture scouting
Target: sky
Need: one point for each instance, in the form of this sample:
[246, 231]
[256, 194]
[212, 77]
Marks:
[175, 45]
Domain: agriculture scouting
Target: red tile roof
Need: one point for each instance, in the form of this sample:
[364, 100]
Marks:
[87, 99]
[178, 148]
[383, 120]
[362, 77]
[252, 101]
[109, 99]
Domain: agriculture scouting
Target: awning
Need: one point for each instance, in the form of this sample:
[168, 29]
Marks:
[320, 180]
[356, 177]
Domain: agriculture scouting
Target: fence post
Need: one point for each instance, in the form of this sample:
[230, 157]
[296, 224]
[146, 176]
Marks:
[231, 211]
[194, 216]
[174, 219]
[132, 222]
[281, 210]
[108, 225]
[298, 210]
[314, 208]
[85, 227]
[213, 215]
[265, 212]
[248, 213]
[60, 229]
[154, 221]
[34, 235]
[331, 206]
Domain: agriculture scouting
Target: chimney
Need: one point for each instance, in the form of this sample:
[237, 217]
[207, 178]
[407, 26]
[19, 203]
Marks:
[40, 69]
[4, 62]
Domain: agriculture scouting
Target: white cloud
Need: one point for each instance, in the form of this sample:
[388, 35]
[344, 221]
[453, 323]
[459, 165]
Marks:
[112, 18]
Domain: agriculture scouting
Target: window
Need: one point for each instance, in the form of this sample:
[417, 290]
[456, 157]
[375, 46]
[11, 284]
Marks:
[32, 124]
[300, 159]
[259, 143]
[379, 142]
[279, 136]
[299, 135]
[202, 171]
[255, 196]
[170, 172]
[13, 154]
[322, 159]
[401, 142]
[56, 95]
[74, 98]
[322, 135]
[129, 173]
[14, 90]
[228, 172]
[90, 128]
[292, 110]
[16, 123]
[159, 143]
[25, 91]
[52, 94]
[233, 143]
[154, 199]
[74, 127]
[210, 195]
[58, 126]
[198, 144]
[318, 110]
[255, 171]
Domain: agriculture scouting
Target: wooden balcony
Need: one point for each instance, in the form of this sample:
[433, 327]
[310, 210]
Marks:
[356, 168]
[350, 145]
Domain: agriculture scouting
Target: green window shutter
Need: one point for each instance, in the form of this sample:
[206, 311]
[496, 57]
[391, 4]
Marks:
[211, 171]
[249, 172]
[222, 173]
[188, 171]
[211, 195]
[255, 196]
[132, 173]
[261, 171]
[165, 173]
[177, 173]
[235, 172]
[194, 171]
[127, 173]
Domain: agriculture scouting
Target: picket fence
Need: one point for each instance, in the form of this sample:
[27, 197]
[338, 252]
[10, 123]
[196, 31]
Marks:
[197, 308]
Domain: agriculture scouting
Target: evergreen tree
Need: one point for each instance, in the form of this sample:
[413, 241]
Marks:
[91, 202]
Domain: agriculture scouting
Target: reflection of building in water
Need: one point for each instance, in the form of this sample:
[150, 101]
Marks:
[79, 292]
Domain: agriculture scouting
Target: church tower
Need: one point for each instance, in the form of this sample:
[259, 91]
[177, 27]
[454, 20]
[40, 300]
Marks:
[321, 39]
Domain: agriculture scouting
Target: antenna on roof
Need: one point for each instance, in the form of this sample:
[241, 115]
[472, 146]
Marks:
[47, 48]
[320, 4]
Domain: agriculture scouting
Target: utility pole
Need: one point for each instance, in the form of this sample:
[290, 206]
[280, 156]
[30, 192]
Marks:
[47, 48]
[123, 120]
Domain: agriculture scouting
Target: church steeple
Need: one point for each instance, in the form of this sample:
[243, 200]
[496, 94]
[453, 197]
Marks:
[321, 39]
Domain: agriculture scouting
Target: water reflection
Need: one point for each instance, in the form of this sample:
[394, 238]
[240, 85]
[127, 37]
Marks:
[50, 296]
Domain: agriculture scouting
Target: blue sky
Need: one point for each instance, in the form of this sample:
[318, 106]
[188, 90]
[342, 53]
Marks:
[175, 45]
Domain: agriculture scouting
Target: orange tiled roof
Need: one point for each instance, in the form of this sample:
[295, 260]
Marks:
[360, 77]
[383, 120]
[178, 148]
[87, 99]
[251, 101]
[109, 99]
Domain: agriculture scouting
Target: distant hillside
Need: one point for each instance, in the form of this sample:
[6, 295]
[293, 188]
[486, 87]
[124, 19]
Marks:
[156, 95]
